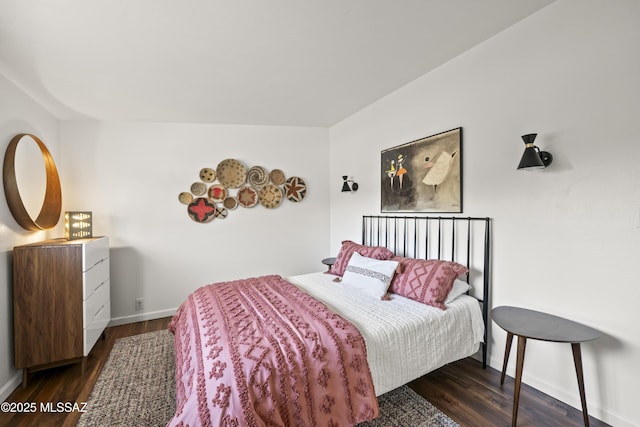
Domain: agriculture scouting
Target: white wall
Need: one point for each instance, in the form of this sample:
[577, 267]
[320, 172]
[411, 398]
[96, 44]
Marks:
[18, 114]
[130, 175]
[566, 239]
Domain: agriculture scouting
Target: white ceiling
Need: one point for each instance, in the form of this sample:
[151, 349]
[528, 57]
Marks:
[261, 62]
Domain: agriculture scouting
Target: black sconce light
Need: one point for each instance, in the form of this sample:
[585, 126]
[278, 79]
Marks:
[349, 184]
[532, 156]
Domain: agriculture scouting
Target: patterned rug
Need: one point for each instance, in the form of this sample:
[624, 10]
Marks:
[137, 388]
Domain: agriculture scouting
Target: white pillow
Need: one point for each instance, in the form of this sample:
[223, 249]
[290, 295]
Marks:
[372, 276]
[459, 287]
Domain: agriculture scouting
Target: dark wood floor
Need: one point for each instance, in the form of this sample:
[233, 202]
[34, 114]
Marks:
[470, 395]
[67, 383]
[473, 396]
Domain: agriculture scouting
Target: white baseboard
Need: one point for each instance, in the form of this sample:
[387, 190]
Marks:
[572, 398]
[10, 386]
[123, 320]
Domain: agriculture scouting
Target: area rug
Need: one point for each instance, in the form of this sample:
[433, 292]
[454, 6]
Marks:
[137, 388]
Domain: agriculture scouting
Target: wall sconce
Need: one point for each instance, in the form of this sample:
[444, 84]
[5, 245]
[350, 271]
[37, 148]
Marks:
[532, 156]
[77, 225]
[349, 184]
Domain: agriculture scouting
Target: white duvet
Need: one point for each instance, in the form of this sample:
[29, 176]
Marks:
[405, 339]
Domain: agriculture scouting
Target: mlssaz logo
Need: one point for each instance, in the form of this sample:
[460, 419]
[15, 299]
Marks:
[63, 407]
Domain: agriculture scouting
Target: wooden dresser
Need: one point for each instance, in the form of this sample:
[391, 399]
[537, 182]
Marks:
[61, 301]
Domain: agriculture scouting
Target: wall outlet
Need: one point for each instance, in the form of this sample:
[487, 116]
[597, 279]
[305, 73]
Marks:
[139, 303]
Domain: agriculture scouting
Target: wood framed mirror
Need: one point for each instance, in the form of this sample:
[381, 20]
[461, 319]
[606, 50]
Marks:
[49, 213]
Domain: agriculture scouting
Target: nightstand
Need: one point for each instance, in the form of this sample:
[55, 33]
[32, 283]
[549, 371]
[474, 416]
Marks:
[329, 262]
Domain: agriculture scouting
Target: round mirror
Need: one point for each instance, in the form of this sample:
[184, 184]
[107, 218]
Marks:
[31, 175]
[30, 188]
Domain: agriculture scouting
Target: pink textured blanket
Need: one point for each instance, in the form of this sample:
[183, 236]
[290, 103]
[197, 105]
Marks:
[260, 352]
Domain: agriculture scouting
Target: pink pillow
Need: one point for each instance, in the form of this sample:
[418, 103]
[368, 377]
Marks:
[349, 247]
[425, 281]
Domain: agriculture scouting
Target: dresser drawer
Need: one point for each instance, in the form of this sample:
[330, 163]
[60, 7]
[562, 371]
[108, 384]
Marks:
[97, 314]
[94, 278]
[95, 303]
[94, 251]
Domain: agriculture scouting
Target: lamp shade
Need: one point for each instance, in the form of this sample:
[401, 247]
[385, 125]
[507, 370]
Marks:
[532, 156]
[345, 184]
[530, 159]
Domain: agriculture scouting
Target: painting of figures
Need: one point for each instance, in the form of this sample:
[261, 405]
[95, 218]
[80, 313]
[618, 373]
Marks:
[423, 175]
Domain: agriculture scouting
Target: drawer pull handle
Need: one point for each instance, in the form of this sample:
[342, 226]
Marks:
[97, 287]
[95, 290]
[95, 264]
[98, 312]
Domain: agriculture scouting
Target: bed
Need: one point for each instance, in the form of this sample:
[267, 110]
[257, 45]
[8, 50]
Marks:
[312, 350]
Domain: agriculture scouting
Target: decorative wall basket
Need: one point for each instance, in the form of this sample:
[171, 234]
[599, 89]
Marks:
[232, 184]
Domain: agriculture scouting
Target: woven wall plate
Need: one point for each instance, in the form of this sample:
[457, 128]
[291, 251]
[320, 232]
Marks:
[247, 197]
[185, 198]
[221, 213]
[277, 177]
[270, 196]
[201, 210]
[207, 175]
[231, 173]
[198, 189]
[230, 203]
[257, 176]
[295, 189]
[217, 192]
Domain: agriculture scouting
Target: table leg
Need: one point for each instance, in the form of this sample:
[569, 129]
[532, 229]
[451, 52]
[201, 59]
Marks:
[507, 351]
[522, 344]
[577, 360]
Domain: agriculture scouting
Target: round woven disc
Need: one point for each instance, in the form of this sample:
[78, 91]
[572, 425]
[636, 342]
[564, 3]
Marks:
[295, 189]
[185, 197]
[217, 192]
[201, 210]
[247, 197]
[277, 177]
[198, 188]
[207, 175]
[221, 213]
[230, 203]
[257, 176]
[270, 196]
[231, 173]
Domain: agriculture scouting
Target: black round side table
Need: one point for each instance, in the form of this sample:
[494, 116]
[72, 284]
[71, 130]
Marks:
[329, 262]
[544, 327]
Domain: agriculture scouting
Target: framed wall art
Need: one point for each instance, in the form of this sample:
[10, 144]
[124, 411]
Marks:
[423, 175]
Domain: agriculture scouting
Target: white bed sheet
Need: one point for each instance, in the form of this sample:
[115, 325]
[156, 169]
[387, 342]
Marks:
[405, 339]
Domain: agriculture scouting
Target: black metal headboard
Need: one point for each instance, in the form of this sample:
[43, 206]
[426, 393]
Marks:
[465, 240]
